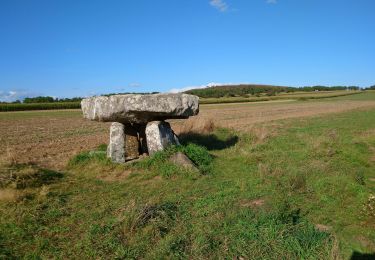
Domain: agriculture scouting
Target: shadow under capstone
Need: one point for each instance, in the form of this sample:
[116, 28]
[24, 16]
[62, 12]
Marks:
[210, 141]
[359, 256]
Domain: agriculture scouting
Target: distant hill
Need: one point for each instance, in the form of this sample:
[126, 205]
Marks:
[244, 90]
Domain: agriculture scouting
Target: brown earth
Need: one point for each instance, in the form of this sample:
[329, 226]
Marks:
[243, 116]
[46, 138]
[51, 138]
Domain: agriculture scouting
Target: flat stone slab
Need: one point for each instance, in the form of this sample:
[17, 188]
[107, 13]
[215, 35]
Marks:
[135, 108]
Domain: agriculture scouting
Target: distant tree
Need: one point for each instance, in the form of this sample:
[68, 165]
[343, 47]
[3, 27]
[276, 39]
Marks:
[271, 92]
[75, 99]
[39, 99]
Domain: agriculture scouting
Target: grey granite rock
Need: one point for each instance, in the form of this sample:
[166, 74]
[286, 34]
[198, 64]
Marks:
[182, 160]
[134, 108]
[159, 136]
[116, 147]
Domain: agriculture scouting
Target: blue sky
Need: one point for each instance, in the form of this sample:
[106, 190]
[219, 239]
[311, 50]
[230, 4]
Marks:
[67, 48]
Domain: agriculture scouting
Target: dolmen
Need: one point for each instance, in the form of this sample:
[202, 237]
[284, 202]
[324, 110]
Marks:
[138, 121]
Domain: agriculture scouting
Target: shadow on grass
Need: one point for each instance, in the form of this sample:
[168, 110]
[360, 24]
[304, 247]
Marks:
[21, 176]
[210, 141]
[359, 256]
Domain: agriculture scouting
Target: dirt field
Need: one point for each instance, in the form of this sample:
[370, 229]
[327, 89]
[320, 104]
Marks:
[243, 116]
[50, 138]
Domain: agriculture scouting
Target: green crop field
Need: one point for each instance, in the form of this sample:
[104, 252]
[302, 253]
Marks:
[4, 107]
[296, 188]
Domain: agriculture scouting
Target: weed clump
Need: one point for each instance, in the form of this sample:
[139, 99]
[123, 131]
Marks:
[360, 178]
[85, 157]
[159, 214]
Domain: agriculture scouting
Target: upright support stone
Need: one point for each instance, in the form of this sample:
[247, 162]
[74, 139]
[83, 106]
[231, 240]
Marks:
[159, 135]
[116, 147]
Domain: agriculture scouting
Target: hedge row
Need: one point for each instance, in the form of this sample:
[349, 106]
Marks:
[38, 106]
[250, 89]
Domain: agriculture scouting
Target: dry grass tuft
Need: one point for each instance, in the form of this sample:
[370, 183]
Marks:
[114, 176]
[253, 203]
[8, 195]
[335, 251]
[261, 133]
[158, 215]
[323, 228]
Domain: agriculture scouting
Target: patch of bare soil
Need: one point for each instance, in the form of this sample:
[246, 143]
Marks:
[243, 116]
[49, 141]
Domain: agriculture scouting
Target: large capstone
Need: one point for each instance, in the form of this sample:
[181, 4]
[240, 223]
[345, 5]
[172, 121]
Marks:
[159, 135]
[140, 109]
[116, 147]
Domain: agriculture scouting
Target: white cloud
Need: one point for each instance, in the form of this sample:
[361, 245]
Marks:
[135, 85]
[220, 5]
[271, 1]
[212, 84]
[13, 95]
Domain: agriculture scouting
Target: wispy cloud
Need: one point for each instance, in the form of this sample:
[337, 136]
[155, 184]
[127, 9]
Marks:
[135, 85]
[271, 1]
[212, 84]
[13, 95]
[220, 5]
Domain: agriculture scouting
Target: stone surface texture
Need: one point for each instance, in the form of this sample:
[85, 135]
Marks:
[159, 135]
[116, 147]
[182, 160]
[141, 109]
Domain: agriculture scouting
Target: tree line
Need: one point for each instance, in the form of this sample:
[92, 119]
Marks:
[244, 90]
[48, 99]
[45, 99]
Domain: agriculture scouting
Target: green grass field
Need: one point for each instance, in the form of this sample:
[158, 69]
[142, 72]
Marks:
[302, 193]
